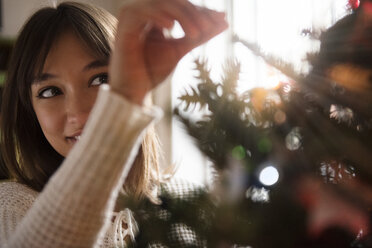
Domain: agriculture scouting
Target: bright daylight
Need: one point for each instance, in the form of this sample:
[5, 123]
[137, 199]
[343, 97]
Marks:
[186, 123]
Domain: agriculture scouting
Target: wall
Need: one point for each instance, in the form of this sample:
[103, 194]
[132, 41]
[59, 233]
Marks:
[15, 12]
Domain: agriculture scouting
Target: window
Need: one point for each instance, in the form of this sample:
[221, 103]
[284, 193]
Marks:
[276, 26]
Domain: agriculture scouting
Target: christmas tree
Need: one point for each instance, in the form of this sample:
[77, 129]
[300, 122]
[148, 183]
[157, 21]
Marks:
[312, 134]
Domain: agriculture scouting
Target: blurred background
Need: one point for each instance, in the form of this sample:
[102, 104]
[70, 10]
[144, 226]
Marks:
[281, 28]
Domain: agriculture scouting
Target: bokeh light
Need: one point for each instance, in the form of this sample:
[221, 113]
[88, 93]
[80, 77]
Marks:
[269, 176]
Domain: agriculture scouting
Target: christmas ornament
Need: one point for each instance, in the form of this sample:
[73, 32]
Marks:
[354, 4]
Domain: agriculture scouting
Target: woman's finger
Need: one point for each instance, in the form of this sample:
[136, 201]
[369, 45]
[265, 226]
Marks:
[214, 16]
[193, 14]
[134, 18]
[194, 20]
[183, 12]
[136, 15]
[219, 24]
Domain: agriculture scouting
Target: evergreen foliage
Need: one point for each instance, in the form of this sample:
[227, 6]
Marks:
[313, 130]
[242, 133]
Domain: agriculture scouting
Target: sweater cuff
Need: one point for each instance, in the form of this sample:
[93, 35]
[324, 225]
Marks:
[106, 94]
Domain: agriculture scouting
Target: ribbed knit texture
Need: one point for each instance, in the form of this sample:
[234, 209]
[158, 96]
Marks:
[75, 207]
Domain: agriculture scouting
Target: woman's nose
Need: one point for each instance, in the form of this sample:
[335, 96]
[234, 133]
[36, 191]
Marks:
[78, 108]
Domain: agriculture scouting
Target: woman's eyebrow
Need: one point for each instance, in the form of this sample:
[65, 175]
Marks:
[92, 65]
[95, 64]
[43, 77]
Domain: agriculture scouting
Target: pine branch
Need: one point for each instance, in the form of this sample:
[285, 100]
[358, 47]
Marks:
[192, 100]
[230, 79]
[286, 68]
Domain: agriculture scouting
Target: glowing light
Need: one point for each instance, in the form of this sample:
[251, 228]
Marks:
[280, 117]
[258, 194]
[269, 176]
[293, 139]
[273, 78]
[238, 152]
[264, 145]
[287, 88]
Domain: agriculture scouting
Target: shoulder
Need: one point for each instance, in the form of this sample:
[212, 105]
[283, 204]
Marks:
[12, 191]
[15, 197]
[15, 200]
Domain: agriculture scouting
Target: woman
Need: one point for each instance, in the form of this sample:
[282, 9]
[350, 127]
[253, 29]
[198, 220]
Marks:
[68, 153]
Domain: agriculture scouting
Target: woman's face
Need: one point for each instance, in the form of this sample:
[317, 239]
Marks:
[64, 94]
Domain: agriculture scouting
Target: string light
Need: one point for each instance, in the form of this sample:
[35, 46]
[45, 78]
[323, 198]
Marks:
[269, 176]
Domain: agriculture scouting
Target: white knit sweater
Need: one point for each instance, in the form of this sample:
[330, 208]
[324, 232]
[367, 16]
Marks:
[75, 208]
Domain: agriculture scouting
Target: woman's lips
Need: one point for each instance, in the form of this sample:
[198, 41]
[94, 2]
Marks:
[73, 139]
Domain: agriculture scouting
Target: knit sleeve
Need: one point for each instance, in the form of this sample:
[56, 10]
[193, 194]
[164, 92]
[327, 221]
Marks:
[73, 209]
[15, 200]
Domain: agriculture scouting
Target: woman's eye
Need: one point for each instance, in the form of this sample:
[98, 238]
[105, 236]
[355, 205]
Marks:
[49, 92]
[99, 79]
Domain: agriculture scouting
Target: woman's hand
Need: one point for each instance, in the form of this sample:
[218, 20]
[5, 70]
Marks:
[142, 56]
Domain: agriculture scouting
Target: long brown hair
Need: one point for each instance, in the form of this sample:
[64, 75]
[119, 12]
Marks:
[28, 156]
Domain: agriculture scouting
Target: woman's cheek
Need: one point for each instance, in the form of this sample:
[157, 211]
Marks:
[50, 116]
